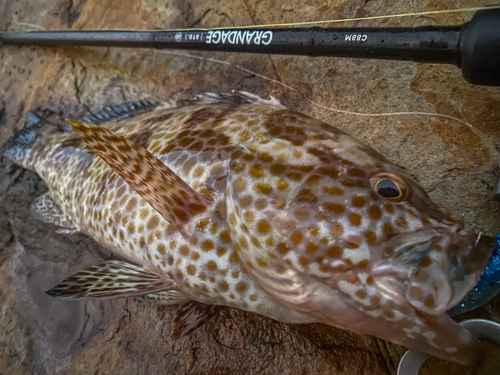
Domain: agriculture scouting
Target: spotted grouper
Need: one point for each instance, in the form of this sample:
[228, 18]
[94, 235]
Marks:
[235, 200]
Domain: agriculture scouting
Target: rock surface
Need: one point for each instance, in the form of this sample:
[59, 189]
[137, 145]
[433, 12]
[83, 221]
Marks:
[457, 164]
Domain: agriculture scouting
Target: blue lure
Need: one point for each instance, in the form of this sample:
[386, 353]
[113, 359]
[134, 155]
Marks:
[487, 287]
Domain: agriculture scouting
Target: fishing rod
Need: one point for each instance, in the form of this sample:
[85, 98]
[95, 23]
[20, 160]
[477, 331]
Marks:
[474, 47]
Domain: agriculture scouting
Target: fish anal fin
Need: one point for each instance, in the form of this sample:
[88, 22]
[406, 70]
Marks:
[167, 297]
[166, 192]
[45, 209]
[192, 315]
[108, 280]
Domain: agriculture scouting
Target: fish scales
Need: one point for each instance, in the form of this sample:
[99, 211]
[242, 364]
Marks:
[300, 221]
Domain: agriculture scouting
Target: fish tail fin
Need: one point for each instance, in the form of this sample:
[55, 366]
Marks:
[18, 147]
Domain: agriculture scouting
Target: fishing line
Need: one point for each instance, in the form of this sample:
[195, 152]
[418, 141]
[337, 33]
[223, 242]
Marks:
[319, 105]
[34, 27]
[292, 24]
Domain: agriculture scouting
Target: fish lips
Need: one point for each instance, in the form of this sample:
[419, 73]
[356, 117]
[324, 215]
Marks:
[432, 269]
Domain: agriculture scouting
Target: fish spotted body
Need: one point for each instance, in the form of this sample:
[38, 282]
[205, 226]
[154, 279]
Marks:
[237, 201]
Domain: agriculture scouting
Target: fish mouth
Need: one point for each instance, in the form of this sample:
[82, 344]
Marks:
[435, 268]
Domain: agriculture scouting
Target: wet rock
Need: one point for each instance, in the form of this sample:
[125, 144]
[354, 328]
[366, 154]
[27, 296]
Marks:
[456, 161]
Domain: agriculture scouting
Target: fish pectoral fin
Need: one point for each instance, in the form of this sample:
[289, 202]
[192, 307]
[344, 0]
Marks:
[45, 209]
[117, 112]
[166, 297]
[192, 315]
[108, 280]
[167, 193]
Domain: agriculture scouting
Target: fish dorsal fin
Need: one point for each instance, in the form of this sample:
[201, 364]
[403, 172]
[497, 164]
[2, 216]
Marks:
[117, 112]
[166, 192]
[110, 279]
[192, 315]
[235, 97]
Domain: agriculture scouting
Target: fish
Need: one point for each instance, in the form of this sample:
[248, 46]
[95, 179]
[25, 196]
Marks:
[235, 200]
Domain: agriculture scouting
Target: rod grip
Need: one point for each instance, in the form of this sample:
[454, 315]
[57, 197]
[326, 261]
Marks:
[480, 48]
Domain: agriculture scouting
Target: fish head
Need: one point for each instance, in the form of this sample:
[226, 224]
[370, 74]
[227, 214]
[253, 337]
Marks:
[358, 212]
[363, 227]
[434, 258]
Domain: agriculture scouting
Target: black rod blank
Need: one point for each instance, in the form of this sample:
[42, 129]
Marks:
[419, 44]
[475, 46]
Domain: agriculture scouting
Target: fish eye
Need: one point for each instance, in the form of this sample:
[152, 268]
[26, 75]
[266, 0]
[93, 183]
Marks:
[389, 186]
